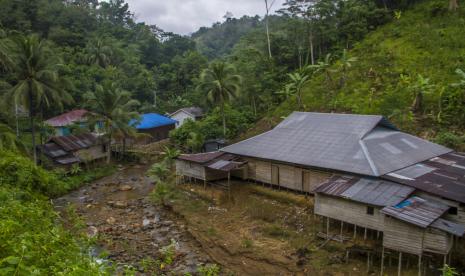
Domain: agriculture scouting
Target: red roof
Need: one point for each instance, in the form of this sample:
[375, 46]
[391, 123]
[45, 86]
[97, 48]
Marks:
[68, 118]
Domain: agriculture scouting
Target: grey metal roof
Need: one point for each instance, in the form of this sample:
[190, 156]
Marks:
[366, 190]
[361, 144]
[417, 211]
[442, 176]
[449, 226]
[194, 111]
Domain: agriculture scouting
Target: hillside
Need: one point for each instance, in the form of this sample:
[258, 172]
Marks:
[414, 56]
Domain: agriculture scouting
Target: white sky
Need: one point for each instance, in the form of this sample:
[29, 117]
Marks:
[187, 16]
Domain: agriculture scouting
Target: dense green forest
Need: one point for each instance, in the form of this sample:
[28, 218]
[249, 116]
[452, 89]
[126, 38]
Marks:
[404, 59]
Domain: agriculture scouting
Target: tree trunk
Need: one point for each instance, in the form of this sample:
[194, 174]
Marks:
[312, 55]
[33, 129]
[453, 5]
[224, 121]
[417, 102]
[267, 29]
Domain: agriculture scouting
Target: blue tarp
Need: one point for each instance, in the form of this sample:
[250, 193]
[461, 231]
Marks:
[151, 120]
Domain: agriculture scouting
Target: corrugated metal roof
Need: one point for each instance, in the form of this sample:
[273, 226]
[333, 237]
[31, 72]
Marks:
[201, 157]
[442, 176]
[366, 190]
[152, 120]
[194, 111]
[68, 118]
[53, 150]
[361, 144]
[417, 211]
[75, 142]
[449, 226]
[67, 160]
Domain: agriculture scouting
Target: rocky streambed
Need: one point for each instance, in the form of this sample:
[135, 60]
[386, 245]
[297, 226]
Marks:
[130, 228]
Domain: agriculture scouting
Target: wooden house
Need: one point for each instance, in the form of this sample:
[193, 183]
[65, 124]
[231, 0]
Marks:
[306, 148]
[63, 123]
[186, 113]
[65, 151]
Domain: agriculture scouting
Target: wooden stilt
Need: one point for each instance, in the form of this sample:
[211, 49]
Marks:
[382, 261]
[342, 226]
[327, 228]
[445, 259]
[365, 235]
[205, 183]
[347, 256]
[377, 234]
[355, 231]
[399, 268]
[419, 265]
[368, 262]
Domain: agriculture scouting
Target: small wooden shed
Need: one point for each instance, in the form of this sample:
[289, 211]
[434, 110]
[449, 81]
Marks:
[210, 166]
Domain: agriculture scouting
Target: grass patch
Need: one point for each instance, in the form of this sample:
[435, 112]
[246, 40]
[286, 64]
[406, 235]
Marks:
[276, 231]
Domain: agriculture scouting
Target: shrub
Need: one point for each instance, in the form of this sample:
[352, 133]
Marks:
[208, 270]
[450, 140]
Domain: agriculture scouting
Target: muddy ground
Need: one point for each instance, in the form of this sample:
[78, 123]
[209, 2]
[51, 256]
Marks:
[258, 231]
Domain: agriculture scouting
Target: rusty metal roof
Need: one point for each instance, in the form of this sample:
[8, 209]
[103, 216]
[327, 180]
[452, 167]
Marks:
[68, 118]
[67, 160]
[201, 157]
[442, 176]
[53, 150]
[362, 144]
[417, 211]
[75, 142]
[366, 190]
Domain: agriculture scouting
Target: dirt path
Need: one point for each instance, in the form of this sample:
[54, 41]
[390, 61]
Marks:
[130, 228]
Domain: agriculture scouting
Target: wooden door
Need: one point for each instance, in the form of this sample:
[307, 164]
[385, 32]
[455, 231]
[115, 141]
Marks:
[274, 174]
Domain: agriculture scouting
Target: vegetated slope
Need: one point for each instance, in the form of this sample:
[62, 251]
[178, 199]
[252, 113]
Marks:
[393, 65]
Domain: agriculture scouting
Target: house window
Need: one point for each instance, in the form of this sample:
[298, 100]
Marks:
[453, 211]
[370, 210]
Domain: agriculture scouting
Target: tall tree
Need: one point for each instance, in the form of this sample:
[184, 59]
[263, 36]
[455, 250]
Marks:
[114, 107]
[97, 52]
[268, 7]
[37, 82]
[222, 84]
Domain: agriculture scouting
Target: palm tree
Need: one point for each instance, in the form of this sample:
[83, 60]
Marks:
[5, 44]
[9, 141]
[114, 107]
[37, 81]
[98, 53]
[222, 84]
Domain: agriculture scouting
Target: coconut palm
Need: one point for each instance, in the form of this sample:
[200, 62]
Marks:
[97, 52]
[9, 140]
[222, 84]
[5, 44]
[114, 107]
[37, 83]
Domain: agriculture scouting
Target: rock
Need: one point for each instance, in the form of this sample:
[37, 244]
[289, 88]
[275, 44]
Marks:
[92, 231]
[111, 220]
[125, 188]
[120, 204]
[146, 222]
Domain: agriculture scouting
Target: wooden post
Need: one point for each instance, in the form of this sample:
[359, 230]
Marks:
[419, 265]
[445, 259]
[365, 235]
[205, 183]
[368, 262]
[382, 261]
[400, 264]
[347, 256]
[229, 185]
[355, 231]
[327, 228]
[377, 234]
[342, 226]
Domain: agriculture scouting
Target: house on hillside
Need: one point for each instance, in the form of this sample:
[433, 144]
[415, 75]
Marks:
[155, 126]
[366, 173]
[64, 122]
[187, 113]
[64, 151]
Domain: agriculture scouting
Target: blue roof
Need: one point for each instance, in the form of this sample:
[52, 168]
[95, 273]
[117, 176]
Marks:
[151, 120]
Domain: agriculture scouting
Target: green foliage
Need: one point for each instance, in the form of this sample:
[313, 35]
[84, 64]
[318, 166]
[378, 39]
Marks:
[208, 270]
[159, 172]
[449, 271]
[451, 140]
[31, 240]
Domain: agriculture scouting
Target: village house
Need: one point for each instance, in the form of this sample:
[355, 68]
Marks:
[186, 113]
[155, 126]
[63, 122]
[64, 151]
[366, 173]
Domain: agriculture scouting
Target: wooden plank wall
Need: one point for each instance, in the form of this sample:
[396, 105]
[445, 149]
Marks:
[288, 176]
[401, 236]
[348, 211]
[437, 241]
[190, 169]
[215, 174]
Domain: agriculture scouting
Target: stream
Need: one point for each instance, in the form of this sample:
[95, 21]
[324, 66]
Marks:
[131, 229]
